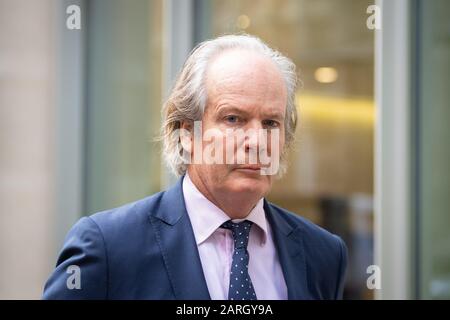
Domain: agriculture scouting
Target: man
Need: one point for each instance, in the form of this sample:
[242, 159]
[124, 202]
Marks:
[212, 235]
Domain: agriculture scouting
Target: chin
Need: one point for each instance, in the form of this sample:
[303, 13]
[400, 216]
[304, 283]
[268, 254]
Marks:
[250, 184]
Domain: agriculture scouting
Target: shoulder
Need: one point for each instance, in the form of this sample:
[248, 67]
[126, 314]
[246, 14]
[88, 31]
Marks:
[325, 253]
[118, 232]
[107, 248]
[312, 233]
[130, 215]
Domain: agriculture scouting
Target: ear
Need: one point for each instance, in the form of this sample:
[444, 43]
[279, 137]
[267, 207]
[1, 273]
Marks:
[186, 135]
[186, 124]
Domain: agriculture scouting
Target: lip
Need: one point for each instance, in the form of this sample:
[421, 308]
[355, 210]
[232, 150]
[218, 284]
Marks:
[250, 167]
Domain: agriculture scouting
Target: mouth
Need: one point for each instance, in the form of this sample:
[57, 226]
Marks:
[249, 168]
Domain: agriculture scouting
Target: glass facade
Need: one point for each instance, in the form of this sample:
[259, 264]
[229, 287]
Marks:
[124, 68]
[432, 133]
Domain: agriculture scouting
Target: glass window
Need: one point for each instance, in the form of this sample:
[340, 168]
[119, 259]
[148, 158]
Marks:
[124, 64]
[432, 133]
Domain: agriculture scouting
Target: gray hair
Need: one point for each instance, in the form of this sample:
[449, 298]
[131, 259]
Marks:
[187, 101]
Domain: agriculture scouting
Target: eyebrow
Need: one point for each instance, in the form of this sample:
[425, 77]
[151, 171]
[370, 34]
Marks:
[229, 108]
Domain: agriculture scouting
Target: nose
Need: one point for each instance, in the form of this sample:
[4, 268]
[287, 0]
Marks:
[252, 137]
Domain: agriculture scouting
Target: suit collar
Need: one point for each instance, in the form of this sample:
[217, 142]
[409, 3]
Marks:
[206, 217]
[172, 206]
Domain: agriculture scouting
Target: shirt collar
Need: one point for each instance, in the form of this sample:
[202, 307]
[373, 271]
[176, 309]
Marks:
[206, 217]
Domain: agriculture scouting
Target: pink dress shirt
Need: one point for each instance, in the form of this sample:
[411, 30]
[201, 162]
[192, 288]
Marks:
[215, 246]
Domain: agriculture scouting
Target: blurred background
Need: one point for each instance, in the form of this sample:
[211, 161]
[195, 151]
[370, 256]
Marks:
[79, 110]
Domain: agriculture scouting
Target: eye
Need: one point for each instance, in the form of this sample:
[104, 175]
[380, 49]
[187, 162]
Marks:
[232, 119]
[271, 123]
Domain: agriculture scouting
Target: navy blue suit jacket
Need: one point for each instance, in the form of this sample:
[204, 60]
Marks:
[147, 250]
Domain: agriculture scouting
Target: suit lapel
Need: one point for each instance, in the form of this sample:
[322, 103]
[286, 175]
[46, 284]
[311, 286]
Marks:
[289, 245]
[178, 246]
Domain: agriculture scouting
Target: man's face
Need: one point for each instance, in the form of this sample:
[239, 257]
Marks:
[245, 92]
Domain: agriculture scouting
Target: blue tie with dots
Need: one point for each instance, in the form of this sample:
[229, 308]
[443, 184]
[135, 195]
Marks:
[241, 287]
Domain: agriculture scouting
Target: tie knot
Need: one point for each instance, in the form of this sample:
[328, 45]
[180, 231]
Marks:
[240, 232]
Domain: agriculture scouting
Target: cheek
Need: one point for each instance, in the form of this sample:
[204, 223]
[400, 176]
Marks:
[277, 139]
[216, 173]
[282, 137]
[282, 142]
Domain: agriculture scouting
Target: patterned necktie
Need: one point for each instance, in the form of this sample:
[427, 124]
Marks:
[241, 287]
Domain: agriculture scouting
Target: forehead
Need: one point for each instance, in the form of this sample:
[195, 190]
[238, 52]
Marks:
[246, 76]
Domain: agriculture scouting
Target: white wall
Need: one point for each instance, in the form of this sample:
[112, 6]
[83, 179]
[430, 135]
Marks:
[26, 147]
